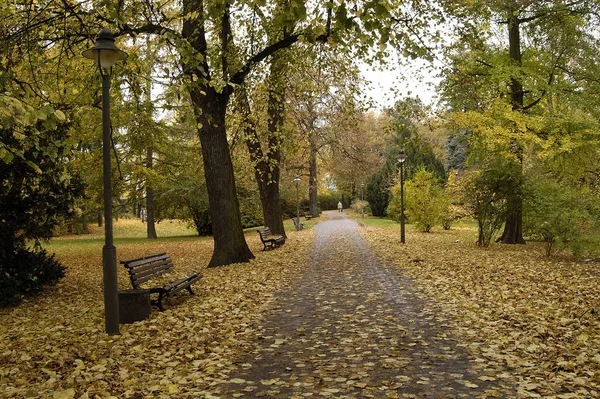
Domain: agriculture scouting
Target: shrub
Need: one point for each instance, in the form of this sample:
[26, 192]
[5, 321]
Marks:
[425, 200]
[487, 193]
[35, 270]
[556, 214]
[37, 192]
[359, 206]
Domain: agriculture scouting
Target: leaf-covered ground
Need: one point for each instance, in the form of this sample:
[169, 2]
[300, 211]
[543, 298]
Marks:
[512, 305]
[504, 322]
[54, 346]
[353, 327]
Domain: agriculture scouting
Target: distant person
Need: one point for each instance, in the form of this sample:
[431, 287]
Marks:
[142, 215]
[340, 207]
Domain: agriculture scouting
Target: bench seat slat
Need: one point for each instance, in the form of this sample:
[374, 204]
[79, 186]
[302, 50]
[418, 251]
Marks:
[182, 284]
[126, 261]
[141, 262]
[153, 266]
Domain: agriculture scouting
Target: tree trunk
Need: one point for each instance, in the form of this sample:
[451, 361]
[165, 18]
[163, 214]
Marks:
[513, 227]
[209, 108]
[266, 171]
[312, 178]
[271, 172]
[230, 243]
[150, 224]
[100, 219]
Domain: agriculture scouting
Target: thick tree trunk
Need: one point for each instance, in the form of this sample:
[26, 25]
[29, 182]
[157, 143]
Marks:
[209, 108]
[513, 227]
[150, 223]
[230, 243]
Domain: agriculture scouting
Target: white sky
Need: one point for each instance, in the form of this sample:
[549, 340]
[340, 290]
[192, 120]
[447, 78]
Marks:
[395, 82]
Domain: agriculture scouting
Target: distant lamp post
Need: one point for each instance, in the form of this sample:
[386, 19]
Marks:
[297, 180]
[362, 199]
[105, 53]
[401, 159]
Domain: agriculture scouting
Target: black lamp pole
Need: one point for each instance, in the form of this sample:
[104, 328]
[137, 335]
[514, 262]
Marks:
[362, 205]
[402, 158]
[297, 180]
[106, 53]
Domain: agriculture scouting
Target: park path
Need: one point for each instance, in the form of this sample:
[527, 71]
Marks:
[352, 327]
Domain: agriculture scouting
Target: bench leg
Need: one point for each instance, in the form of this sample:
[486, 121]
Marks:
[159, 302]
[189, 288]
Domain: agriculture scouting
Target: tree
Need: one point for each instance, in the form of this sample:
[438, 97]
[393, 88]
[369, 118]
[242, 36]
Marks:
[38, 191]
[377, 191]
[405, 137]
[218, 46]
[323, 109]
[557, 36]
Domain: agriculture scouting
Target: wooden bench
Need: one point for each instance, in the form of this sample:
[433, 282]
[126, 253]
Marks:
[307, 216]
[149, 267]
[269, 239]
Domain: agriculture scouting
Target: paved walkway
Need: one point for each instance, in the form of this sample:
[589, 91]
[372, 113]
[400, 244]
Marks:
[351, 327]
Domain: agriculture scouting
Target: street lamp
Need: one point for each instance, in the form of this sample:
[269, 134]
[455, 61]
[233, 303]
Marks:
[297, 180]
[362, 205]
[105, 53]
[401, 159]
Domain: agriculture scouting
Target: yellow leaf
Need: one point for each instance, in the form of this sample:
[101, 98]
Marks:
[66, 394]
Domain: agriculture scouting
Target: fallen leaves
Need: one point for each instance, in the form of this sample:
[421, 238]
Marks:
[511, 305]
[54, 346]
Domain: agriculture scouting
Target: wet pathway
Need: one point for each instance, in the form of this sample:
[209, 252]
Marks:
[352, 328]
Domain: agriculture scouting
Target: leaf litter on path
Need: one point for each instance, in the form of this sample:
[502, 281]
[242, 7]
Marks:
[352, 326]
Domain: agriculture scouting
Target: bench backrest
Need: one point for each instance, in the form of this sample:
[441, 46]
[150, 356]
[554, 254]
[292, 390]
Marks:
[145, 268]
[265, 233]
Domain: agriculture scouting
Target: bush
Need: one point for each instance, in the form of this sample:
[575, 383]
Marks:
[359, 206]
[556, 214]
[425, 200]
[487, 193]
[197, 203]
[25, 272]
[37, 192]
[328, 201]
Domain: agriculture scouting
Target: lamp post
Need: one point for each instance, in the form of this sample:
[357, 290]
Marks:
[401, 159]
[362, 205]
[105, 53]
[297, 180]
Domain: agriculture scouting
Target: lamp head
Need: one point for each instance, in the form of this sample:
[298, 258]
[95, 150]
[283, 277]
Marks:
[297, 179]
[105, 52]
[402, 157]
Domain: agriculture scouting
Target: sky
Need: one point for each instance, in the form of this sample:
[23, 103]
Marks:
[392, 82]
